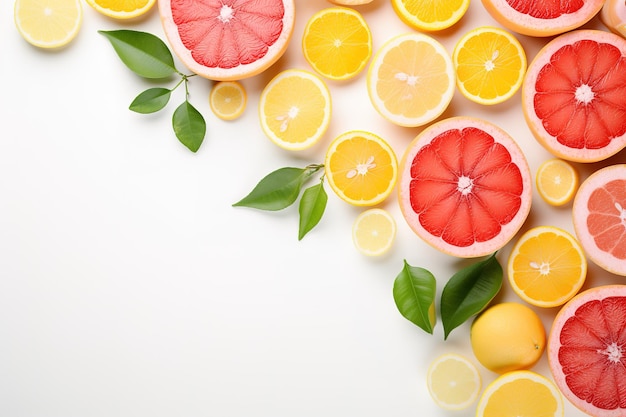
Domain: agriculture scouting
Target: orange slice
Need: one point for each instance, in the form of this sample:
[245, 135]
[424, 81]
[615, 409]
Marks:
[122, 9]
[557, 181]
[430, 15]
[228, 99]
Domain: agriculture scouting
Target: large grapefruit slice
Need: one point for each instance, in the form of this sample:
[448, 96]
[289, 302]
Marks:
[542, 17]
[464, 186]
[228, 39]
[587, 351]
[599, 214]
[574, 95]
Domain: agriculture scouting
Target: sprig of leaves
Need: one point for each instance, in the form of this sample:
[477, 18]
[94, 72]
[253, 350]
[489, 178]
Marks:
[149, 57]
[280, 189]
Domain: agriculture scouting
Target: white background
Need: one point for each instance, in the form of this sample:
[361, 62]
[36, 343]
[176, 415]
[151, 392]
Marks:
[129, 285]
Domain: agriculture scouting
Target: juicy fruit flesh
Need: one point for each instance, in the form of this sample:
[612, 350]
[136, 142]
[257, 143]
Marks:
[546, 9]
[593, 352]
[219, 37]
[581, 95]
[122, 5]
[465, 196]
[607, 218]
[433, 10]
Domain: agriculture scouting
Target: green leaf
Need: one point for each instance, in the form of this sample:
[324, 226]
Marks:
[151, 100]
[469, 291]
[189, 126]
[414, 293]
[312, 206]
[143, 53]
[278, 189]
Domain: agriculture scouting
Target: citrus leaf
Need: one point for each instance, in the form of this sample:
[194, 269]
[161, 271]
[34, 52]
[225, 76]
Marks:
[189, 126]
[151, 100]
[469, 291]
[414, 293]
[143, 53]
[312, 206]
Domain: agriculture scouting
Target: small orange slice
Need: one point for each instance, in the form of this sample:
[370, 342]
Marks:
[557, 181]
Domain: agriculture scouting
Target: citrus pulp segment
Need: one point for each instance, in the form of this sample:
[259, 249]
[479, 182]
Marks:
[599, 215]
[542, 18]
[411, 79]
[520, 393]
[337, 43]
[490, 64]
[228, 99]
[48, 24]
[557, 181]
[361, 168]
[547, 266]
[122, 9]
[295, 109]
[613, 16]
[573, 95]
[373, 232]
[453, 381]
[228, 40]
[586, 351]
[430, 15]
[464, 186]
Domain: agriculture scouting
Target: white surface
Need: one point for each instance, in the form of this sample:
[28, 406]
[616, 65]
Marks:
[129, 286]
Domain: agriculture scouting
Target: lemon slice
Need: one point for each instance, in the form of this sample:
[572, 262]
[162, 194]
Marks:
[122, 9]
[557, 181]
[430, 15]
[228, 99]
[373, 232]
[453, 381]
[48, 24]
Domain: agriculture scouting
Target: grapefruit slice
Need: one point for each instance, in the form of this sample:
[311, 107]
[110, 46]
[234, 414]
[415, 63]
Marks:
[465, 186]
[541, 17]
[574, 95]
[599, 214]
[228, 40]
[587, 351]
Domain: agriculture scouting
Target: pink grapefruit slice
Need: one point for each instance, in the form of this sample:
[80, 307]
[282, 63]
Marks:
[599, 214]
[574, 95]
[228, 40]
[465, 186]
[542, 17]
[587, 351]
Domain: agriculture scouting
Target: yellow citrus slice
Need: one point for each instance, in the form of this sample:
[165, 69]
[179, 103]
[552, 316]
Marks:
[122, 9]
[557, 181]
[295, 109]
[373, 232]
[350, 2]
[48, 23]
[361, 168]
[337, 43]
[453, 381]
[411, 79]
[490, 64]
[547, 266]
[430, 15]
[520, 393]
[228, 99]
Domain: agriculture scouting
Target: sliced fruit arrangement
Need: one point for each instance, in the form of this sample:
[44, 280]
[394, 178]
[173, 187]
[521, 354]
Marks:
[230, 39]
[453, 381]
[520, 393]
[557, 181]
[361, 168]
[350, 2]
[490, 64]
[373, 232]
[51, 24]
[228, 99]
[586, 351]
[411, 79]
[122, 9]
[613, 15]
[430, 15]
[573, 95]
[599, 215]
[465, 186]
[547, 266]
[337, 43]
[542, 18]
[295, 109]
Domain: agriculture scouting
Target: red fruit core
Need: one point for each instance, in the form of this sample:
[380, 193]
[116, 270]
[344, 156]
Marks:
[593, 352]
[465, 186]
[607, 217]
[580, 95]
[228, 33]
[546, 9]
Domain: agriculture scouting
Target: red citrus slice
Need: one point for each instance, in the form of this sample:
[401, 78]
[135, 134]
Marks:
[599, 214]
[542, 17]
[587, 351]
[465, 186]
[228, 39]
[574, 95]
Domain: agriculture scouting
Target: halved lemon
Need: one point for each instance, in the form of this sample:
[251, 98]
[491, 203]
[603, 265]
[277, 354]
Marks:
[122, 9]
[228, 99]
[48, 24]
[430, 15]
[557, 181]
[373, 232]
[453, 381]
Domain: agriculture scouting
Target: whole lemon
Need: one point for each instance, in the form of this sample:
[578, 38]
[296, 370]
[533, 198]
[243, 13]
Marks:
[508, 336]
